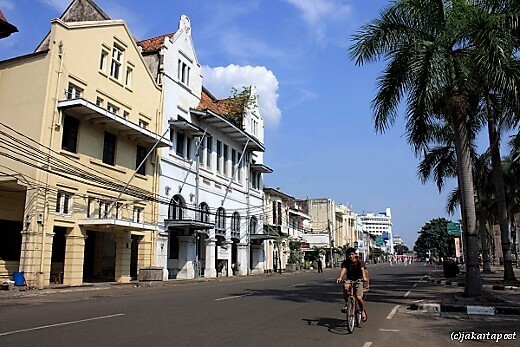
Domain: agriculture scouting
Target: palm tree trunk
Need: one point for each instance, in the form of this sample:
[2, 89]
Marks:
[465, 177]
[482, 227]
[498, 175]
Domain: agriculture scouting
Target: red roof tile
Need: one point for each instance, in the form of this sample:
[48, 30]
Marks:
[153, 43]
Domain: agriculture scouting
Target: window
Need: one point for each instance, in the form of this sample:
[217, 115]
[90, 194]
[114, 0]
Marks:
[140, 166]
[109, 149]
[125, 114]
[128, 77]
[183, 73]
[235, 222]
[99, 102]
[204, 213]
[219, 156]
[117, 61]
[225, 161]
[209, 150]
[254, 127]
[103, 61]
[74, 92]
[188, 147]
[220, 224]
[118, 209]
[112, 108]
[143, 124]
[252, 225]
[255, 180]
[179, 146]
[200, 152]
[138, 212]
[63, 202]
[104, 207]
[233, 163]
[90, 203]
[239, 168]
[175, 208]
[69, 141]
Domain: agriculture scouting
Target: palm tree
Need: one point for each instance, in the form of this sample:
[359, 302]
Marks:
[424, 45]
[432, 53]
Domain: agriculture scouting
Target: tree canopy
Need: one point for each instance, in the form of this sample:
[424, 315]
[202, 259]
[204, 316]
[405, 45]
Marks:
[434, 238]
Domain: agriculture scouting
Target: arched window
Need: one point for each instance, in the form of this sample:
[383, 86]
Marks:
[175, 208]
[235, 222]
[221, 219]
[252, 225]
[204, 212]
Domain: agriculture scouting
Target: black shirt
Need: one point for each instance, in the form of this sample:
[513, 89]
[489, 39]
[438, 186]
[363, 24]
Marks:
[354, 272]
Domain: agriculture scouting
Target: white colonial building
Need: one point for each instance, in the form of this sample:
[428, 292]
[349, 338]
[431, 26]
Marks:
[210, 183]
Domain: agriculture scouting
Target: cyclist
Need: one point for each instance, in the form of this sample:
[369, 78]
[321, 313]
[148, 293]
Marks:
[354, 269]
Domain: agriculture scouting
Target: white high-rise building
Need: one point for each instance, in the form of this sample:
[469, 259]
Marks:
[380, 226]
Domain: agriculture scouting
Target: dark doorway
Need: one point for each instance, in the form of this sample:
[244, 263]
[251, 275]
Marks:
[134, 256]
[58, 255]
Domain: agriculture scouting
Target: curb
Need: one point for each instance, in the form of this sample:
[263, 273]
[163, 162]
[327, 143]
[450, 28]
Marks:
[465, 309]
[484, 286]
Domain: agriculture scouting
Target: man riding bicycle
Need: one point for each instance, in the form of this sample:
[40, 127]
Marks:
[355, 269]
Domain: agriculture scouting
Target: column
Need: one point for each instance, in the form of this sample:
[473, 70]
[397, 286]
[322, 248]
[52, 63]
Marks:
[162, 253]
[74, 257]
[123, 255]
[186, 257]
[210, 271]
[242, 259]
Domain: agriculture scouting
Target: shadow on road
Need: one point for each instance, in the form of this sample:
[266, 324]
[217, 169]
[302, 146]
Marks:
[333, 325]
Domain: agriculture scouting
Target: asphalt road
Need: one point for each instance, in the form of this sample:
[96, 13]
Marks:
[300, 309]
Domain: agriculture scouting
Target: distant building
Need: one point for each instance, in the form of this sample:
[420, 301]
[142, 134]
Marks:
[6, 28]
[379, 225]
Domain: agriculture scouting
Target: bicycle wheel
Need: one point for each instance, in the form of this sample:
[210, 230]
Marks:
[358, 316]
[350, 314]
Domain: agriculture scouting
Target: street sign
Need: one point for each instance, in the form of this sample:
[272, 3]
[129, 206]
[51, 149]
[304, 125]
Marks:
[453, 229]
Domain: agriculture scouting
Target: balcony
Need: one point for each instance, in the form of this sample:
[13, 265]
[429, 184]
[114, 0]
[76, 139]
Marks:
[83, 109]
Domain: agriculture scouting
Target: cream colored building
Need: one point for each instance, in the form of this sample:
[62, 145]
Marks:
[77, 118]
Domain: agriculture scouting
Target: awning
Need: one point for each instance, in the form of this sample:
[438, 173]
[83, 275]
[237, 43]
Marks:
[82, 108]
[229, 129]
[187, 127]
[115, 224]
[261, 168]
[190, 224]
[262, 237]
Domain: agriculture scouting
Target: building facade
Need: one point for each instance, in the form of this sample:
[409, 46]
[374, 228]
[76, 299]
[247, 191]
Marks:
[79, 172]
[212, 176]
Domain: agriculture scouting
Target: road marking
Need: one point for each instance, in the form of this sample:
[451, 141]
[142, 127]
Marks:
[391, 330]
[367, 344]
[407, 293]
[415, 285]
[233, 297]
[60, 324]
[392, 313]
[296, 285]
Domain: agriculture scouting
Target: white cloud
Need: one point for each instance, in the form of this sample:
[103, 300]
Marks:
[219, 81]
[320, 14]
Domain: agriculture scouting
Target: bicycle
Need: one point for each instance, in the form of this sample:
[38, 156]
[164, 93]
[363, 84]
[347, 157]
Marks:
[352, 313]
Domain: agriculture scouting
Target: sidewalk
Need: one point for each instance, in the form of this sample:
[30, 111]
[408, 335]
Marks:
[496, 298]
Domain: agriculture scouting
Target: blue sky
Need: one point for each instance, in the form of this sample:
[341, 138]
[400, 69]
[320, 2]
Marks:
[319, 132]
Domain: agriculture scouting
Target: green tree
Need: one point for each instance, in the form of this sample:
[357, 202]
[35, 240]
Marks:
[434, 240]
[401, 249]
[434, 60]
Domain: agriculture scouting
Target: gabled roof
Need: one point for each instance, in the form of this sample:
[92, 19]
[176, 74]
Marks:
[78, 11]
[154, 43]
[6, 28]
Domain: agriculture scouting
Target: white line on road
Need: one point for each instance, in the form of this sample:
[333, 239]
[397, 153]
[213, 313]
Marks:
[233, 297]
[407, 293]
[60, 324]
[415, 285]
[367, 344]
[296, 285]
[391, 330]
[391, 314]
